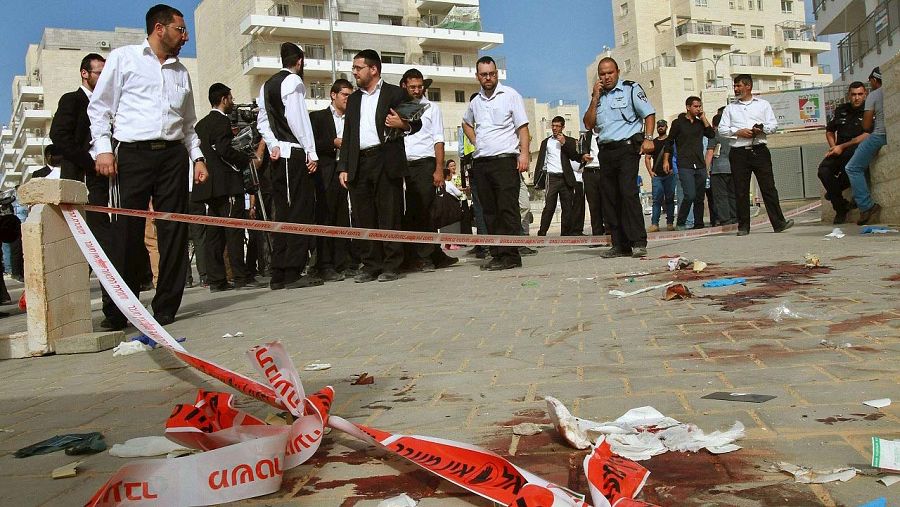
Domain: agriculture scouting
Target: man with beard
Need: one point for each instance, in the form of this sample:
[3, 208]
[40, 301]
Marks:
[843, 133]
[284, 124]
[146, 92]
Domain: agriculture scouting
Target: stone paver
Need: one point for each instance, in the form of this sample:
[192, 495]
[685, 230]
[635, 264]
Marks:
[465, 354]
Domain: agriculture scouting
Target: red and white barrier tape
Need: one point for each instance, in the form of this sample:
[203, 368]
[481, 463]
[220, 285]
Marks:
[426, 237]
[245, 458]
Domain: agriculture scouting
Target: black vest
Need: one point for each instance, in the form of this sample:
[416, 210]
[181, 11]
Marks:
[275, 108]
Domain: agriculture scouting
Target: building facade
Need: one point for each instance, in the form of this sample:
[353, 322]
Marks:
[871, 28]
[51, 70]
[694, 47]
[238, 43]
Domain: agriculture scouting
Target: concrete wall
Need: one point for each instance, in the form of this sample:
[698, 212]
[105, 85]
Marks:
[885, 178]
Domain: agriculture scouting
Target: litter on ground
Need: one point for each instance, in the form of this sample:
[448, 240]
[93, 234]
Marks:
[806, 475]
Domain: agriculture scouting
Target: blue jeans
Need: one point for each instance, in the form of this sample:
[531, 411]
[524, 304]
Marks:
[663, 192]
[857, 166]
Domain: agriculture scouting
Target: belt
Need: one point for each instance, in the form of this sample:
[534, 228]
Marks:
[371, 151]
[155, 145]
[592, 169]
[614, 144]
[752, 146]
[496, 157]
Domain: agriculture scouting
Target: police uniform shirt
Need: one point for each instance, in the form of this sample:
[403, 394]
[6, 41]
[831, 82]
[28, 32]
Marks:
[621, 111]
[744, 115]
[496, 119]
[846, 123]
[421, 144]
[553, 157]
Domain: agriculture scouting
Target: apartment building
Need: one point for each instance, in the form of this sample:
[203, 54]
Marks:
[871, 30]
[695, 47]
[51, 70]
[238, 43]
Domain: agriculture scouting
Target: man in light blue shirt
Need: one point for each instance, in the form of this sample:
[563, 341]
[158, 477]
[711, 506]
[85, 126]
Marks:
[873, 122]
[625, 118]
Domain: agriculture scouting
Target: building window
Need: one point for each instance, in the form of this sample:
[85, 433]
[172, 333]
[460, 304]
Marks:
[318, 91]
[282, 10]
[738, 31]
[349, 54]
[688, 84]
[787, 6]
[623, 9]
[434, 94]
[315, 51]
[625, 38]
[431, 58]
[388, 57]
[349, 16]
[701, 3]
[627, 65]
[795, 57]
[732, 4]
[457, 61]
[750, 4]
[432, 19]
[459, 96]
[756, 32]
[314, 11]
[390, 20]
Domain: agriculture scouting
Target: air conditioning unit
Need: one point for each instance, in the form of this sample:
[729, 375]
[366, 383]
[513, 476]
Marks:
[778, 48]
[770, 49]
[104, 44]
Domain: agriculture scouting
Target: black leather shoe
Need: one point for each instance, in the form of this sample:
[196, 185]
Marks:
[840, 216]
[252, 283]
[365, 276]
[613, 253]
[638, 252]
[503, 264]
[743, 232]
[109, 325]
[221, 287]
[489, 265]
[330, 275]
[276, 285]
[869, 215]
[164, 320]
[787, 225]
[424, 266]
[524, 250]
[304, 282]
[445, 262]
[389, 276]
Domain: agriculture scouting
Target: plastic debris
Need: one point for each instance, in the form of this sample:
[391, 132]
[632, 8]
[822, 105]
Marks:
[889, 480]
[876, 229]
[128, 348]
[836, 233]
[724, 282]
[66, 471]
[832, 345]
[641, 433]
[782, 312]
[806, 475]
[878, 502]
[699, 266]
[879, 403]
[620, 294]
[530, 283]
[637, 274]
[678, 263]
[363, 379]
[227, 335]
[744, 397]
[677, 291]
[146, 446]
[317, 366]
[146, 340]
[239, 334]
[812, 261]
[886, 453]
[72, 443]
[526, 429]
[401, 500]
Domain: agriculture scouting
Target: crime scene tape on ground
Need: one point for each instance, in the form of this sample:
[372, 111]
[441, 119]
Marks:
[244, 457]
[427, 237]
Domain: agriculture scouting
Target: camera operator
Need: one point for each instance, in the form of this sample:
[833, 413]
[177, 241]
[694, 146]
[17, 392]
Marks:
[223, 193]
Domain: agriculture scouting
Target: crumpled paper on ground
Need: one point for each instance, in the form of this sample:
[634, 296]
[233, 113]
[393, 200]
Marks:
[836, 233]
[401, 500]
[526, 429]
[128, 348]
[806, 475]
[678, 263]
[147, 446]
[812, 261]
[641, 433]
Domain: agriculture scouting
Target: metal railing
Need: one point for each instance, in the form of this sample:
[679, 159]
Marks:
[818, 6]
[659, 61]
[878, 28]
[693, 27]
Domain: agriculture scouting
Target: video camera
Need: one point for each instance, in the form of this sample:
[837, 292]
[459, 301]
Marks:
[244, 114]
[7, 198]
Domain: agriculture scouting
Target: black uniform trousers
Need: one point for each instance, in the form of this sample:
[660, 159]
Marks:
[723, 198]
[622, 210]
[693, 184]
[332, 208]
[577, 227]
[98, 223]
[293, 201]
[757, 160]
[160, 175]
[557, 189]
[593, 183]
[835, 180]
[420, 194]
[497, 180]
[219, 238]
[377, 201]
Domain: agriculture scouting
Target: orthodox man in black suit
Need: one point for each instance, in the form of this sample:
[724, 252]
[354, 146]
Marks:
[222, 192]
[554, 173]
[284, 124]
[373, 163]
[70, 132]
[332, 207]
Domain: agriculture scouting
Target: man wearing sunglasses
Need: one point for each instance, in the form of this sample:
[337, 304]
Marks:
[146, 92]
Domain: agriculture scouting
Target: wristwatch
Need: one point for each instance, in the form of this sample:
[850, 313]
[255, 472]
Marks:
[200, 159]
[648, 138]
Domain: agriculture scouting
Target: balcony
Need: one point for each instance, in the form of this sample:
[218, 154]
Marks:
[694, 33]
[443, 5]
[838, 16]
[35, 118]
[261, 58]
[659, 61]
[30, 93]
[295, 27]
[759, 65]
[875, 34]
[799, 36]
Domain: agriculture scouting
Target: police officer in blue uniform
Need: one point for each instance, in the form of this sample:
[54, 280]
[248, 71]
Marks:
[624, 117]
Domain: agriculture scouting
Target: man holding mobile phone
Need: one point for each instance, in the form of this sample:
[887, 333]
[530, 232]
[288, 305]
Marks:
[686, 136]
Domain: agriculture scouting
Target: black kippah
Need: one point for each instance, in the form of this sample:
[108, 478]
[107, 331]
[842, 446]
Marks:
[289, 49]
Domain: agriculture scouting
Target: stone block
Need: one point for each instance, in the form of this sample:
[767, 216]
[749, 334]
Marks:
[88, 342]
[14, 346]
[44, 191]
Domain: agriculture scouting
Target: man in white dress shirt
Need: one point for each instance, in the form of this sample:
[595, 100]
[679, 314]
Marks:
[284, 125]
[746, 123]
[145, 91]
[424, 173]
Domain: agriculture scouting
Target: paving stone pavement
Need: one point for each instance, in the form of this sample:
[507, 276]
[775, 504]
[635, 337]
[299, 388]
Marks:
[466, 354]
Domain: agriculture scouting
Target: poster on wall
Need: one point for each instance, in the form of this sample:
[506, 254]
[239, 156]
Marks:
[798, 109]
